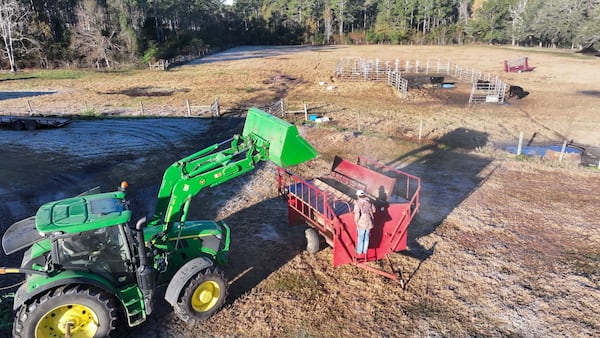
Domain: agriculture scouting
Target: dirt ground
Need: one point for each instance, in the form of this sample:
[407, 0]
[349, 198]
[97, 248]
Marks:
[502, 245]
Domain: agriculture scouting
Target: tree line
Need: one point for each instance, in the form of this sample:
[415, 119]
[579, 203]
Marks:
[111, 33]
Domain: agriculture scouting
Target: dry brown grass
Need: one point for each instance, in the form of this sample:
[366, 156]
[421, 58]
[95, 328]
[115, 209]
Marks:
[501, 247]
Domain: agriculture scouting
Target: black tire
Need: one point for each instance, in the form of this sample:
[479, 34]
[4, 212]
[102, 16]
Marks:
[312, 241]
[93, 311]
[17, 125]
[30, 124]
[203, 296]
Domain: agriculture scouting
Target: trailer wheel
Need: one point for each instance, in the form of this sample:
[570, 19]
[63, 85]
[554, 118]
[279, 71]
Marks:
[84, 312]
[17, 125]
[312, 240]
[203, 296]
[30, 124]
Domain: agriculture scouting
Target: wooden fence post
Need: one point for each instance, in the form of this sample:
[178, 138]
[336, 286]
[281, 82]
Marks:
[142, 107]
[420, 129]
[29, 105]
[305, 112]
[520, 146]
[187, 105]
[562, 151]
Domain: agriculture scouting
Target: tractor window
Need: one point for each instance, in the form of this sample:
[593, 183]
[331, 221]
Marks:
[102, 251]
[106, 206]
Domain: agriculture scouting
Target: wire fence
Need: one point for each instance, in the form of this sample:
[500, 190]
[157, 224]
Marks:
[186, 109]
[355, 122]
[392, 71]
[489, 91]
[165, 64]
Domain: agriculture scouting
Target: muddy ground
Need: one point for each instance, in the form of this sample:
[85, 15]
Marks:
[502, 245]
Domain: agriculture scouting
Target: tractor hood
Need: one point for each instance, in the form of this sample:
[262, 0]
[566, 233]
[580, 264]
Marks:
[82, 213]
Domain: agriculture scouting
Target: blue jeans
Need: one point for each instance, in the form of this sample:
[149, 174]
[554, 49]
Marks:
[362, 244]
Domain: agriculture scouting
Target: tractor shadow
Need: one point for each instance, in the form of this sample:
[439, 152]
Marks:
[22, 94]
[261, 243]
[450, 171]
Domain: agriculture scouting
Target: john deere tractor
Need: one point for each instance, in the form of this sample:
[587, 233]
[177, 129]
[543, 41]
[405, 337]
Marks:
[87, 266]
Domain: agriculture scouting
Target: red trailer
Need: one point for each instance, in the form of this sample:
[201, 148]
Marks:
[326, 204]
[518, 65]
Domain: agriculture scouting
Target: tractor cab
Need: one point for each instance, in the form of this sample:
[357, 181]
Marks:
[102, 251]
[79, 233]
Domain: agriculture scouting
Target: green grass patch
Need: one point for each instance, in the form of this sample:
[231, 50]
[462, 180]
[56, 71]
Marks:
[594, 168]
[54, 74]
[296, 284]
[522, 157]
[248, 89]
[443, 146]
[90, 112]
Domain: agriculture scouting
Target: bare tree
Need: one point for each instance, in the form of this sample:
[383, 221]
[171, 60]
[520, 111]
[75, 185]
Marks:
[517, 13]
[328, 23]
[94, 37]
[341, 8]
[12, 23]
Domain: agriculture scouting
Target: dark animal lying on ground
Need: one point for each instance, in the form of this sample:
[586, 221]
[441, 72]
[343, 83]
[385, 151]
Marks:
[436, 79]
[517, 91]
[482, 84]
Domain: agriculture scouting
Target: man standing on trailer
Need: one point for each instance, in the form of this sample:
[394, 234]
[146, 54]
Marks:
[363, 217]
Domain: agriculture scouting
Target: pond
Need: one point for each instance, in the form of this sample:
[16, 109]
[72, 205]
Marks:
[42, 165]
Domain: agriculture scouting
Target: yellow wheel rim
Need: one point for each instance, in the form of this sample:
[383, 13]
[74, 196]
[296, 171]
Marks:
[82, 321]
[206, 296]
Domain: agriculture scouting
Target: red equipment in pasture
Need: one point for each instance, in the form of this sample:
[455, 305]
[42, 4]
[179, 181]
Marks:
[517, 65]
[326, 204]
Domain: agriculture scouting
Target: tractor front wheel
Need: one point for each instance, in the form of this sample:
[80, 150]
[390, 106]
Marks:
[204, 295]
[76, 311]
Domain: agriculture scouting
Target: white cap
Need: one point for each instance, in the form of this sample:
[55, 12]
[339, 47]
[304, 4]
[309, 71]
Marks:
[360, 193]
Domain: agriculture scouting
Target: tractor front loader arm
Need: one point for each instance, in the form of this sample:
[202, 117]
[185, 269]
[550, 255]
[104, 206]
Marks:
[264, 137]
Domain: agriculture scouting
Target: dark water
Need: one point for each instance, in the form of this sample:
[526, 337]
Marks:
[43, 165]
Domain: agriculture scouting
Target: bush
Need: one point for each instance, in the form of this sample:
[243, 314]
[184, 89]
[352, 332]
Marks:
[150, 54]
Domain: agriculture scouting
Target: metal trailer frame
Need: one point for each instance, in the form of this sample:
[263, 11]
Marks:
[32, 122]
[326, 204]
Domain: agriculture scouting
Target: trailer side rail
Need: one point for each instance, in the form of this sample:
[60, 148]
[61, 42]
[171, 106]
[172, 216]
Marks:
[407, 186]
[311, 203]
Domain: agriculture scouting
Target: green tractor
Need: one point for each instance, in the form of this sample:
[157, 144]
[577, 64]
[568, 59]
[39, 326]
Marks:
[87, 266]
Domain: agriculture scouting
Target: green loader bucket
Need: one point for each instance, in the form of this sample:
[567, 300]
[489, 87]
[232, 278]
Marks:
[287, 148]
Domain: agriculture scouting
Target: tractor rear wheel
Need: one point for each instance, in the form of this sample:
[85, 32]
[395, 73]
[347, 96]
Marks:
[204, 295]
[81, 311]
